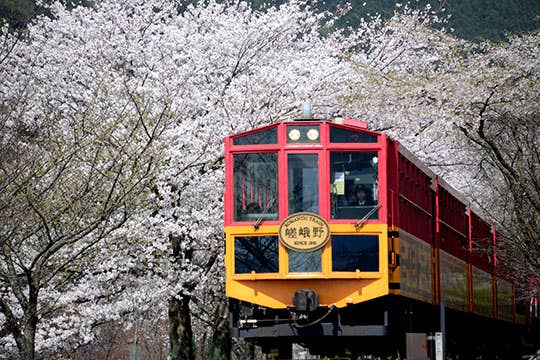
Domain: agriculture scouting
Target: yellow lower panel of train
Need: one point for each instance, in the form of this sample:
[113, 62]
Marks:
[279, 293]
[351, 268]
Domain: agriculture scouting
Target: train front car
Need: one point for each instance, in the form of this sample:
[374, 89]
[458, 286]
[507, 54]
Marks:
[307, 235]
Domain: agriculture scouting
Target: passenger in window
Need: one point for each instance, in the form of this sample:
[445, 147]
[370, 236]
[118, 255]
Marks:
[362, 197]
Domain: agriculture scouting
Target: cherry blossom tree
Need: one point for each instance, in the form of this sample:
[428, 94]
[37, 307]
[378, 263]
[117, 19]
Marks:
[77, 153]
[78, 134]
[115, 116]
[470, 111]
[262, 66]
[112, 118]
[501, 122]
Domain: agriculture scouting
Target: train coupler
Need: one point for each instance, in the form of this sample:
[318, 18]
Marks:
[305, 300]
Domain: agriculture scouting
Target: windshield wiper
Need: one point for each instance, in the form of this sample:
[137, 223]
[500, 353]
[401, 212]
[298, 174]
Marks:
[265, 210]
[363, 220]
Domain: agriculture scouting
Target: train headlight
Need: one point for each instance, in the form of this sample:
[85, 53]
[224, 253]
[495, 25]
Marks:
[294, 134]
[313, 134]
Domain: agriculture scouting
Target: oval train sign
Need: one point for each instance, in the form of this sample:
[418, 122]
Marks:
[304, 232]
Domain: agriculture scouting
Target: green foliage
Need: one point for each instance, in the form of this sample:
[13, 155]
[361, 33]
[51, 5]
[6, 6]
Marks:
[474, 20]
[471, 19]
[492, 19]
[16, 12]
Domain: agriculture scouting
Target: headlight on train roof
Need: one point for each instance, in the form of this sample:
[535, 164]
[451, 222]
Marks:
[313, 134]
[294, 134]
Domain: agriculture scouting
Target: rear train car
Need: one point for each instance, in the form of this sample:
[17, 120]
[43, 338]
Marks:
[341, 240]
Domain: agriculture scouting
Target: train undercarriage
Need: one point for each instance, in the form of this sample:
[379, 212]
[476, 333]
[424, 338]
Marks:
[378, 327]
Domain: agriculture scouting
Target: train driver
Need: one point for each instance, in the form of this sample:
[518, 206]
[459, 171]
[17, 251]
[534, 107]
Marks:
[362, 197]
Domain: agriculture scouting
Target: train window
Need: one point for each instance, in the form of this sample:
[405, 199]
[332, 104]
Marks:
[352, 252]
[303, 134]
[303, 183]
[305, 261]
[255, 187]
[339, 135]
[268, 136]
[353, 185]
[256, 253]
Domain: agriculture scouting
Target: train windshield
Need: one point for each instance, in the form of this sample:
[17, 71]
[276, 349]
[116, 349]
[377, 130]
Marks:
[268, 136]
[256, 253]
[355, 252]
[303, 190]
[303, 183]
[338, 135]
[353, 185]
[255, 186]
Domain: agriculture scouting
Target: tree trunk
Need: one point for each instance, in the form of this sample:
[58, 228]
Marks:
[182, 346]
[26, 339]
[25, 344]
[220, 347]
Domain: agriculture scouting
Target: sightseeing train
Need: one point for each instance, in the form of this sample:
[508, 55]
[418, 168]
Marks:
[341, 240]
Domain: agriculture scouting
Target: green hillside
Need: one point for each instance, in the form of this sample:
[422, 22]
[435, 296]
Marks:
[491, 19]
[471, 19]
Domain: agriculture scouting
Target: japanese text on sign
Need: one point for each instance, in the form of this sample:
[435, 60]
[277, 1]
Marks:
[304, 232]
